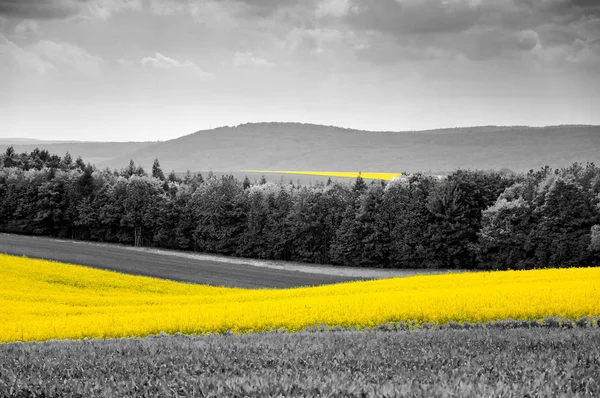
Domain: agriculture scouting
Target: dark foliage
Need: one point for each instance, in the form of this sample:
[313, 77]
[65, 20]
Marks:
[469, 219]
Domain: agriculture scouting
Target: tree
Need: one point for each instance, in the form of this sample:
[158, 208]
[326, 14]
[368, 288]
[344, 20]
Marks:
[566, 217]
[141, 204]
[311, 222]
[595, 239]
[346, 248]
[405, 207]
[246, 184]
[505, 236]
[51, 204]
[279, 230]
[359, 185]
[219, 208]
[252, 241]
[67, 161]
[186, 218]
[157, 171]
[187, 179]
[79, 163]
[374, 227]
[456, 205]
[173, 177]
[8, 158]
[132, 170]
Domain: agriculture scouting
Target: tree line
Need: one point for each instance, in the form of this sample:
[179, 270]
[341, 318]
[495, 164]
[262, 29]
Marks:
[468, 219]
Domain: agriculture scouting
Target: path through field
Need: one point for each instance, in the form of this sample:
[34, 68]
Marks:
[187, 267]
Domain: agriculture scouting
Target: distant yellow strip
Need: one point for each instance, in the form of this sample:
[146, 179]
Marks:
[346, 174]
[41, 300]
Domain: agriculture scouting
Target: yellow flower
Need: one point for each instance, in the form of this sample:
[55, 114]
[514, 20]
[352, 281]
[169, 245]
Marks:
[41, 300]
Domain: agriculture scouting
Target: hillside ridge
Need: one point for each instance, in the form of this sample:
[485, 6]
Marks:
[305, 146]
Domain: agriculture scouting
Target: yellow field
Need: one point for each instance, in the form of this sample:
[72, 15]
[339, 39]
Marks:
[347, 174]
[42, 300]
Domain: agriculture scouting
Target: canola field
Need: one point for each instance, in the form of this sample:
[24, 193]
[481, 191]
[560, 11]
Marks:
[42, 300]
[346, 174]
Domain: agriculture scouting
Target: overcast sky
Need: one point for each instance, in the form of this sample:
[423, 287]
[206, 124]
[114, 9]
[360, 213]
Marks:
[158, 69]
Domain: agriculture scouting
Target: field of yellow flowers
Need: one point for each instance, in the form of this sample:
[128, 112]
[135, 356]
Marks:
[346, 174]
[42, 300]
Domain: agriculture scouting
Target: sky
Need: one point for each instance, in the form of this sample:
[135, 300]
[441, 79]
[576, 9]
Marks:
[147, 70]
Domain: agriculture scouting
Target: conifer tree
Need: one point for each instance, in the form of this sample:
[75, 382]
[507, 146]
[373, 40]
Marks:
[157, 171]
[8, 160]
[246, 184]
[172, 177]
[80, 164]
[67, 161]
[359, 185]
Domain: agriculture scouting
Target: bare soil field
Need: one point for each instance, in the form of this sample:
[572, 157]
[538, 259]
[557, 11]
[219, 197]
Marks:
[192, 267]
[151, 263]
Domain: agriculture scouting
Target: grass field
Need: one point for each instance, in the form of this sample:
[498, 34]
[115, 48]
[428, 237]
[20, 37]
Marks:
[41, 300]
[540, 362]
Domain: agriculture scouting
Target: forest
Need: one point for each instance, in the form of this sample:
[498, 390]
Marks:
[468, 219]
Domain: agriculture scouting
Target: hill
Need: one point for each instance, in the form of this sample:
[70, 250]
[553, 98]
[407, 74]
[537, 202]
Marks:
[27, 141]
[98, 153]
[296, 146]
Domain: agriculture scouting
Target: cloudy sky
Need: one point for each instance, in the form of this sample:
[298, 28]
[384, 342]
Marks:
[159, 69]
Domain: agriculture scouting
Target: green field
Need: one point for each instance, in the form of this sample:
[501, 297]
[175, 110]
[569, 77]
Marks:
[521, 362]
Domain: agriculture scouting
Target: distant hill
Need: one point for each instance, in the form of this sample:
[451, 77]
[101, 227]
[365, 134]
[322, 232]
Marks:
[27, 141]
[296, 146]
[93, 152]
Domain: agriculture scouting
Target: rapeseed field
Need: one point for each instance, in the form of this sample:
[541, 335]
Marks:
[42, 300]
[347, 174]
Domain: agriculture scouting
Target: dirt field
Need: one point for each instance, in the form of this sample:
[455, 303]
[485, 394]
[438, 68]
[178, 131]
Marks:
[193, 267]
[154, 263]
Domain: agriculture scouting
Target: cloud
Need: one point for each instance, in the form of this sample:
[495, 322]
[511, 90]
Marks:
[335, 8]
[67, 57]
[84, 9]
[405, 30]
[104, 9]
[266, 8]
[16, 59]
[22, 49]
[333, 34]
[246, 59]
[160, 61]
[39, 9]
[314, 41]
[163, 62]
[125, 62]
[413, 16]
[27, 27]
[401, 17]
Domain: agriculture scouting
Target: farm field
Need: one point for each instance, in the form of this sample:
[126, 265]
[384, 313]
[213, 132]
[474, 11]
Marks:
[160, 265]
[540, 362]
[42, 300]
[343, 174]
